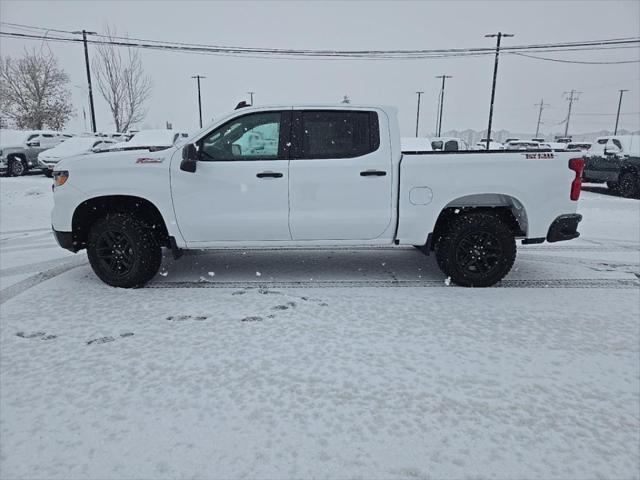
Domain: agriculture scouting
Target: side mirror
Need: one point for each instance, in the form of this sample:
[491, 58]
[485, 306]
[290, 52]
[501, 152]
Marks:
[189, 158]
[33, 144]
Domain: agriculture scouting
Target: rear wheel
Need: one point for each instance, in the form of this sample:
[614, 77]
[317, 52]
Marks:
[628, 186]
[123, 251]
[476, 250]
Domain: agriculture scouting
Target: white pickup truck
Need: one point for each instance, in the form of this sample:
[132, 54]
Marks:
[299, 176]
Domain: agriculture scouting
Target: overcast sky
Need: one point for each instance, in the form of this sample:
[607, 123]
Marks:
[522, 82]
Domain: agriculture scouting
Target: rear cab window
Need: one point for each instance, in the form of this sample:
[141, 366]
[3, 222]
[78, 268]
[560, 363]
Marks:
[335, 133]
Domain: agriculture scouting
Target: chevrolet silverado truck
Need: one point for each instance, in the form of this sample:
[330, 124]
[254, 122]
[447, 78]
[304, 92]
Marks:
[299, 176]
[19, 149]
[616, 161]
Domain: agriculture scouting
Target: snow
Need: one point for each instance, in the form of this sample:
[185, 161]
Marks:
[313, 363]
[415, 144]
[73, 146]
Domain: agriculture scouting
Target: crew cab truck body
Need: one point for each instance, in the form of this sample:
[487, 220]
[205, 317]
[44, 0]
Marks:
[312, 176]
[616, 161]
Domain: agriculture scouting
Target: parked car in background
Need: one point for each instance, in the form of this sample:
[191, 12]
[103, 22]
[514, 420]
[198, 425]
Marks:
[539, 140]
[482, 145]
[581, 146]
[448, 144]
[557, 146]
[615, 160]
[521, 145]
[151, 140]
[415, 144]
[71, 147]
[19, 149]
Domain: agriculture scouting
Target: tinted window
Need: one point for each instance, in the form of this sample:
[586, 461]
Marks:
[617, 143]
[47, 135]
[602, 141]
[31, 137]
[339, 134]
[250, 137]
[436, 145]
[451, 146]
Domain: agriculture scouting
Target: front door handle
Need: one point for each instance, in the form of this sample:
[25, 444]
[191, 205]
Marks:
[269, 175]
[373, 173]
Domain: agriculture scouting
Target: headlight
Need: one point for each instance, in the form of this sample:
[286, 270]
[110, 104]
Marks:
[60, 177]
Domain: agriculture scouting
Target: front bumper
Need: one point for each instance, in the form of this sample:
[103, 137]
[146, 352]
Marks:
[65, 240]
[565, 227]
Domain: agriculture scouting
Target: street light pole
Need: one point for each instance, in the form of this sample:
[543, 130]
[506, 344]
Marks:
[198, 77]
[443, 77]
[499, 35]
[573, 97]
[615, 132]
[418, 112]
[251, 95]
[541, 105]
[86, 60]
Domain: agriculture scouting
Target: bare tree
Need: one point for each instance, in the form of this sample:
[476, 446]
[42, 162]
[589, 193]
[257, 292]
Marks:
[122, 82]
[33, 91]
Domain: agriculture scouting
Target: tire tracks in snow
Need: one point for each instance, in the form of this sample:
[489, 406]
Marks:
[11, 291]
[615, 283]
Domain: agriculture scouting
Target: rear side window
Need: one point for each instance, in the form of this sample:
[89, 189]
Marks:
[338, 133]
[617, 143]
[47, 135]
[451, 146]
[436, 144]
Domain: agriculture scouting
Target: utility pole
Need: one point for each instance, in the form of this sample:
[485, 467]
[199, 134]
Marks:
[86, 60]
[443, 77]
[418, 112]
[198, 77]
[251, 95]
[499, 35]
[615, 132]
[573, 97]
[541, 105]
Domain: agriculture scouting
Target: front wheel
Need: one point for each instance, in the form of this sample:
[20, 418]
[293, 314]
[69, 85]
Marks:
[476, 250]
[18, 167]
[123, 251]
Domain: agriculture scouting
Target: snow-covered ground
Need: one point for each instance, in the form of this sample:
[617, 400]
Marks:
[320, 363]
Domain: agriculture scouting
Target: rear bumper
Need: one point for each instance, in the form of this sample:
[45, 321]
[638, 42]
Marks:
[65, 240]
[565, 227]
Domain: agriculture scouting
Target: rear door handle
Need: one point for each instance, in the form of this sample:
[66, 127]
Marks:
[373, 173]
[269, 175]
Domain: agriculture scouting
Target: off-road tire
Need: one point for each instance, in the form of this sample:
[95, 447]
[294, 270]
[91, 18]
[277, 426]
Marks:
[17, 167]
[121, 237]
[613, 186]
[628, 185]
[476, 250]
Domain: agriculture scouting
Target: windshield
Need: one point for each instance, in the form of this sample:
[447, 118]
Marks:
[73, 146]
[13, 137]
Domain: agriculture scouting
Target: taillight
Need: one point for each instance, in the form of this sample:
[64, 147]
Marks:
[577, 165]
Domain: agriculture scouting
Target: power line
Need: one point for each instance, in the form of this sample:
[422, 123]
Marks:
[590, 45]
[574, 61]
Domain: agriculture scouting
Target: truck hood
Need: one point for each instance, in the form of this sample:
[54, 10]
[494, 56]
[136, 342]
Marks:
[120, 160]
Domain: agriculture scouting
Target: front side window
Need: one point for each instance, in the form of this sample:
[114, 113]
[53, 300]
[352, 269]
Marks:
[617, 143]
[338, 134]
[436, 144]
[251, 137]
[32, 137]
